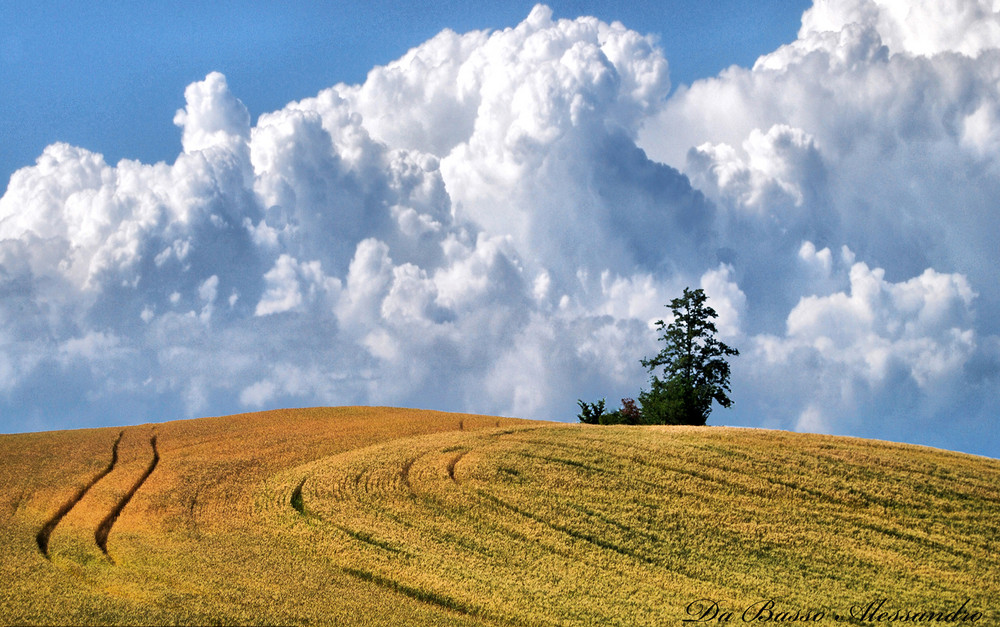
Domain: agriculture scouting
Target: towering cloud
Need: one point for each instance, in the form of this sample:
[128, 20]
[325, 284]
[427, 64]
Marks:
[870, 134]
[495, 221]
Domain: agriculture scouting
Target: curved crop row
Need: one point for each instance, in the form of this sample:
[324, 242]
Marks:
[637, 522]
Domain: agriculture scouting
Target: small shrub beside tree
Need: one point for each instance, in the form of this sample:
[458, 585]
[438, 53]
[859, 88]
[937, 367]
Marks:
[591, 413]
[631, 415]
[594, 414]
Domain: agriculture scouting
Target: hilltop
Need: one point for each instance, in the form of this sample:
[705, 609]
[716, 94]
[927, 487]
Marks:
[390, 516]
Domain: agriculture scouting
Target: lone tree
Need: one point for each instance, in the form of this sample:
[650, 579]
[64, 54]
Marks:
[695, 371]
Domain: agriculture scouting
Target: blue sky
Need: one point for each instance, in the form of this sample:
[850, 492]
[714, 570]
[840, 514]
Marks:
[227, 207]
[109, 75]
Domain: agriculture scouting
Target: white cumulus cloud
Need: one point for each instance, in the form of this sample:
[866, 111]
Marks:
[495, 221]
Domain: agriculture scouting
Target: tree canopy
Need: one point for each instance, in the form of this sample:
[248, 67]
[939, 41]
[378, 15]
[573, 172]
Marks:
[694, 371]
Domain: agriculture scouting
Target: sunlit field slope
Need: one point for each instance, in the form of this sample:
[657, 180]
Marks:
[402, 517]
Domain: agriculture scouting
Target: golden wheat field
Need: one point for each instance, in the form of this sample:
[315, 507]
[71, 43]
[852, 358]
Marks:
[378, 516]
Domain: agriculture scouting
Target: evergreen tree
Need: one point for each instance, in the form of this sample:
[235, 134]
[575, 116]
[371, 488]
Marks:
[695, 371]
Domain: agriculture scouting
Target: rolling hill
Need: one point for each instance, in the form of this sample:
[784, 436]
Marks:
[390, 516]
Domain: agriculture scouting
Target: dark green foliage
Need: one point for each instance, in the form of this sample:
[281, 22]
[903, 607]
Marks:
[613, 418]
[662, 404]
[695, 371]
[628, 414]
[591, 413]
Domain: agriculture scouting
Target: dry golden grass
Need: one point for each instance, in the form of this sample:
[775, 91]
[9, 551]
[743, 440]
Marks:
[388, 516]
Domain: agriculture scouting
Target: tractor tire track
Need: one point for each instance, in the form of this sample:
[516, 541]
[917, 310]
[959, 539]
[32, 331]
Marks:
[430, 597]
[103, 529]
[452, 462]
[43, 535]
[296, 500]
[404, 474]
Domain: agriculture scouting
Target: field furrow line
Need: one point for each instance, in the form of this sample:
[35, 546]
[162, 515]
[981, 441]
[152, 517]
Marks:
[43, 535]
[104, 529]
[404, 474]
[296, 500]
[15, 503]
[573, 533]
[451, 464]
[426, 596]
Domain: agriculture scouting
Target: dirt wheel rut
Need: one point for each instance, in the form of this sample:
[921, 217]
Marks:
[43, 535]
[104, 528]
